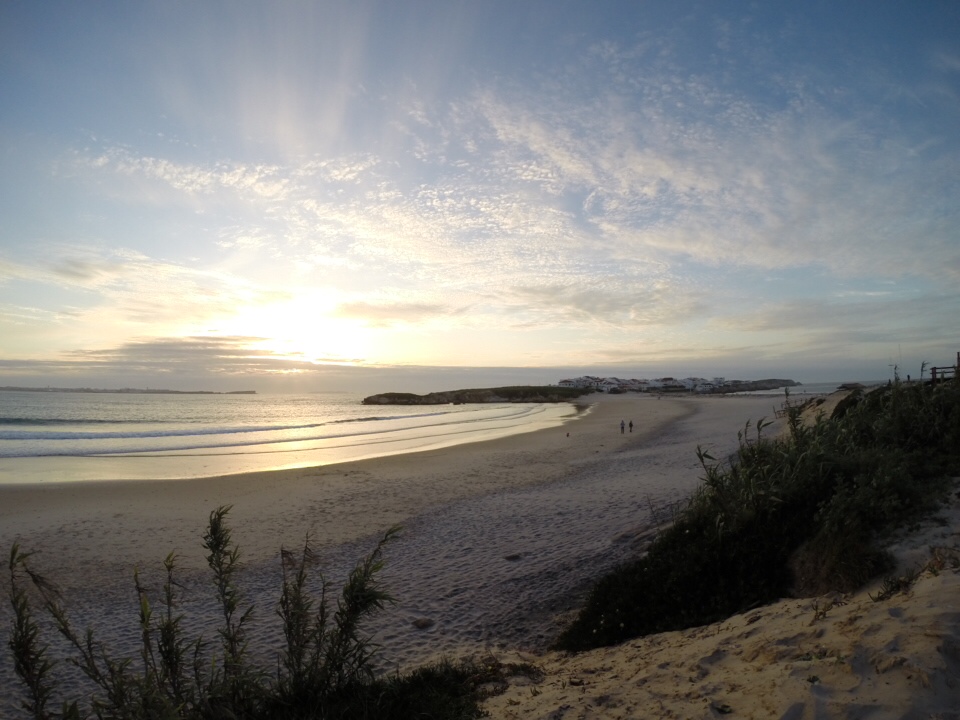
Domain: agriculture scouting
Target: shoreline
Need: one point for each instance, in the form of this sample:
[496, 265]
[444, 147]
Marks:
[499, 536]
[47, 506]
[242, 458]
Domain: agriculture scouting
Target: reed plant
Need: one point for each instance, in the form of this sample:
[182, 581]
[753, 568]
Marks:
[324, 665]
[799, 514]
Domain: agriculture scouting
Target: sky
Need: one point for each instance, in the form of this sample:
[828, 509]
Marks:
[382, 195]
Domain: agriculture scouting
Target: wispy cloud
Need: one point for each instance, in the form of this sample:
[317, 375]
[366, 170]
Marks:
[268, 182]
[26, 316]
[628, 180]
[386, 314]
[919, 315]
[190, 356]
[229, 355]
[659, 304]
[125, 292]
[528, 184]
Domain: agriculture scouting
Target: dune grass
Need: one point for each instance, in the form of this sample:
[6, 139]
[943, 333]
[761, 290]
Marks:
[323, 664]
[796, 515]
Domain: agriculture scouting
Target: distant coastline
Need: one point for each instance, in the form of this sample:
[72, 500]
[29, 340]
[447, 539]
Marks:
[123, 391]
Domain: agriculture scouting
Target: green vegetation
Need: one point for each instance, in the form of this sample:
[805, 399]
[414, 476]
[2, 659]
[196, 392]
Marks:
[801, 514]
[323, 668]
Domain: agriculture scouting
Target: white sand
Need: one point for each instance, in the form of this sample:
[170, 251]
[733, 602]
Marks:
[830, 657]
[499, 537]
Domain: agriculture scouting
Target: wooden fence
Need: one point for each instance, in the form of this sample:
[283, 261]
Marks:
[944, 372]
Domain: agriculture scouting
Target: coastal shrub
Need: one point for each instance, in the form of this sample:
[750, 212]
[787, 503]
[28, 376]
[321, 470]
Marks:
[323, 666]
[799, 514]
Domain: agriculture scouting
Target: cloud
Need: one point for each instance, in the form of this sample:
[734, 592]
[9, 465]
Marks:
[619, 184]
[118, 292]
[653, 165]
[657, 304]
[578, 218]
[924, 314]
[677, 356]
[697, 170]
[386, 314]
[26, 316]
[252, 181]
[179, 362]
[230, 355]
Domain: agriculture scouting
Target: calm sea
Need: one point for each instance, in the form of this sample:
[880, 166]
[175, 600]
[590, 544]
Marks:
[57, 436]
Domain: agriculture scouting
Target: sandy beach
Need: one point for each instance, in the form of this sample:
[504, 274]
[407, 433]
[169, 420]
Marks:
[500, 541]
[799, 659]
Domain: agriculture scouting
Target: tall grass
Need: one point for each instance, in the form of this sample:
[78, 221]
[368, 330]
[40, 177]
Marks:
[800, 514]
[323, 665]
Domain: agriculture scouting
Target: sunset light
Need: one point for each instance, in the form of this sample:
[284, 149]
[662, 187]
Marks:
[304, 327]
[614, 344]
[640, 187]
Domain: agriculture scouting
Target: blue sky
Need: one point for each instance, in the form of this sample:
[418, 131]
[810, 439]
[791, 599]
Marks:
[309, 195]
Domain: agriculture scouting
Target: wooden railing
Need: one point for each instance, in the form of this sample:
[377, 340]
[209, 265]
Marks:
[942, 373]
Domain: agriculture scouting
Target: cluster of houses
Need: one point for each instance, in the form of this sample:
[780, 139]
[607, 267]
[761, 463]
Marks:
[667, 384]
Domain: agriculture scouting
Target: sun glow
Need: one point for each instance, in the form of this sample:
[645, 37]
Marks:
[306, 328]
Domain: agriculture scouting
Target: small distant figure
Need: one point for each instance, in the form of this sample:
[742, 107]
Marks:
[631, 426]
[622, 426]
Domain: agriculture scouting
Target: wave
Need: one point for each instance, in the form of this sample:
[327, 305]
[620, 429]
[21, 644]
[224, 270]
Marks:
[68, 421]
[88, 444]
[180, 431]
[372, 418]
[79, 435]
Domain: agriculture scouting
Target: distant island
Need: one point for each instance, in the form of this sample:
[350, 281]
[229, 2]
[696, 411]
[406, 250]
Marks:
[567, 390]
[124, 391]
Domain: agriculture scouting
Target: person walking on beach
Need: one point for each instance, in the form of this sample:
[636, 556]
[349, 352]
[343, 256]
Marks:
[622, 425]
[631, 426]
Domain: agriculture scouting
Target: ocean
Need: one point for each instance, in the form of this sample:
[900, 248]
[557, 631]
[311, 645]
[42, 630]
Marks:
[68, 436]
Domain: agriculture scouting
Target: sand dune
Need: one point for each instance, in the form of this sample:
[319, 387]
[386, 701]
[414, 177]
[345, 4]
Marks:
[829, 657]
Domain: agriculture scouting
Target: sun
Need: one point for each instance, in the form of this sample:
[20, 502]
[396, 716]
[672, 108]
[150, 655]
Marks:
[305, 327]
